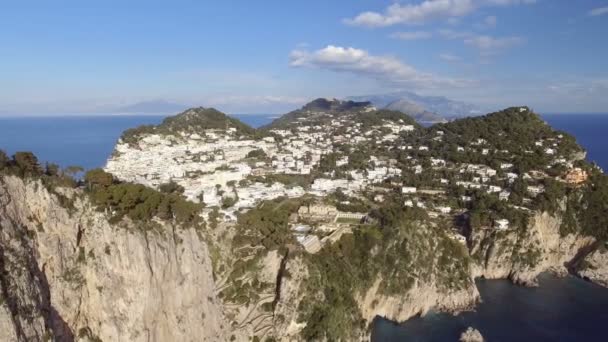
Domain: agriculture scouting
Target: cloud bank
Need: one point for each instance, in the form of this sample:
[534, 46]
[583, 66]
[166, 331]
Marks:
[383, 68]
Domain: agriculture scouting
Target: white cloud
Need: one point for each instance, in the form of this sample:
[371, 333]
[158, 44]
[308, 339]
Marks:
[485, 44]
[488, 45]
[598, 11]
[413, 35]
[449, 57]
[426, 10]
[383, 68]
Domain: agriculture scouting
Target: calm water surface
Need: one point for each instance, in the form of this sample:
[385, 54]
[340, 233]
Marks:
[86, 141]
[561, 309]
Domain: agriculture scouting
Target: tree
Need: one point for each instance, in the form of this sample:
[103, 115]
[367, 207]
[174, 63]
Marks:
[3, 160]
[72, 170]
[171, 187]
[228, 202]
[27, 163]
[259, 154]
[98, 177]
[52, 169]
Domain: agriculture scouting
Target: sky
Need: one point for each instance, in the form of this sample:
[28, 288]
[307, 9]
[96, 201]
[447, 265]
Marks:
[63, 57]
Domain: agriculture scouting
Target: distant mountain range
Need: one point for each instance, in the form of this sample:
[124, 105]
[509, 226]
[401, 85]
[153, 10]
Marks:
[421, 108]
[429, 109]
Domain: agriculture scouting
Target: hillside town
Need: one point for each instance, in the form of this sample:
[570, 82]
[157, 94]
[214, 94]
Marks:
[362, 153]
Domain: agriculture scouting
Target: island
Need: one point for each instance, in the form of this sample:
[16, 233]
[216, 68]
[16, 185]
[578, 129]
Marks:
[204, 229]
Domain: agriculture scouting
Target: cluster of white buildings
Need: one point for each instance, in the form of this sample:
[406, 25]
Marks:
[214, 164]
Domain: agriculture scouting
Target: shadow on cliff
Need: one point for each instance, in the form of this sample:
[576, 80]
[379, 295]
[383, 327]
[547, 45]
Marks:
[37, 287]
[573, 265]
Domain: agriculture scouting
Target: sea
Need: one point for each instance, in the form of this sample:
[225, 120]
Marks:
[85, 141]
[560, 309]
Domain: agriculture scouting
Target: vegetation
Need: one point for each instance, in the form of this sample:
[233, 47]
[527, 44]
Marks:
[378, 117]
[266, 225]
[523, 129]
[593, 213]
[399, 251]
[26, 165]
[258, 154]
[137, 201]
[194, 120]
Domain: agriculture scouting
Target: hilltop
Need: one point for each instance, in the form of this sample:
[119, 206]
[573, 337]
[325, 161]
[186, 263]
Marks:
[322, 111]
[191, 121]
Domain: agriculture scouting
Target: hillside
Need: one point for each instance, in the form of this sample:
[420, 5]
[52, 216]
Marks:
[192, 121]
[323, 111]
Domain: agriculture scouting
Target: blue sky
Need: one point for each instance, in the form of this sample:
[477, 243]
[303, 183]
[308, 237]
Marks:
[272, 56]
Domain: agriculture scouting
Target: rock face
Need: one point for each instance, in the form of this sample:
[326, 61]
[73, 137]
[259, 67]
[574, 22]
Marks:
[471, 335]
[417, 301]
[595, 267]
[521, 258]
[68, 273]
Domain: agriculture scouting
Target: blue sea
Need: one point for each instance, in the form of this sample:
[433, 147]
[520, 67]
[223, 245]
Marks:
[560, 309]
[85, 141]
[566, 309]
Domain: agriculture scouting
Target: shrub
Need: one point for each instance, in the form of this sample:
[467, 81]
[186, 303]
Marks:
[98, 177]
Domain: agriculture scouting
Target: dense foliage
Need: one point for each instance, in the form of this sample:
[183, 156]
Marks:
[594, 209]
[26, 164]
[137, 201]
[194, 120]
[266, 225]
[514, 130]
[399, 252]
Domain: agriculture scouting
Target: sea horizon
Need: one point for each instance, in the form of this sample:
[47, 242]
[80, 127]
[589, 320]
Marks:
[106, 129]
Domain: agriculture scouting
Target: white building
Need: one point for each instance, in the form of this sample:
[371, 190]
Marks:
[502, 224]
[408, 190]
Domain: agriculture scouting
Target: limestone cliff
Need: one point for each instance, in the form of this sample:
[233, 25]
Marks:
[416, 301]
[68, 274]
[595, 267]
[521, 255]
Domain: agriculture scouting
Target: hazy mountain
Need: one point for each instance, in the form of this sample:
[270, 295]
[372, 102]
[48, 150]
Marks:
[416, 111]
[438, 105]
[152, 107]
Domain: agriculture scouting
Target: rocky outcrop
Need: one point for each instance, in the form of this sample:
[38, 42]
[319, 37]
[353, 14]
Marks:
[67, 273]
[522, 255]
[595, 267]
[417, 301]
[471, 335]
